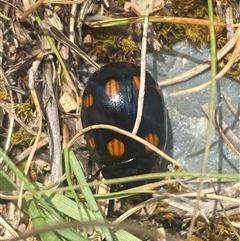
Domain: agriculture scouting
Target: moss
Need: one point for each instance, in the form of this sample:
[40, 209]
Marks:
[113, 48]
[22, 137]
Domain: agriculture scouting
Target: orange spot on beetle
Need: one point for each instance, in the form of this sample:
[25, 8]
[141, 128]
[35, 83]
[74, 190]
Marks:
[136, 82]
[151, 138]
[92, 143]
[112, 87]
[116, 148]
[88, 101]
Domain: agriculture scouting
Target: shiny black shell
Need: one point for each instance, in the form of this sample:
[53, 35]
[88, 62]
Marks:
[111, 97]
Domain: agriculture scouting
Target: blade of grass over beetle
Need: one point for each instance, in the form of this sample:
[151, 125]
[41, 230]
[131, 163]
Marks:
[88, 193]
[50, 202]
[69, 181]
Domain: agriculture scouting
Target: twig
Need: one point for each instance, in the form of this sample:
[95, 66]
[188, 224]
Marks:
[234, 144]
[53, 122]
[228, 135]
[231, 107]
[11, 124]
[39, 112]
[59, 36]
[30, 10]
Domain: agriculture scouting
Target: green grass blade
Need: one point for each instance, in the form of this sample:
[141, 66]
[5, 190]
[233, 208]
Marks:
[88, 194]
[39, 221]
